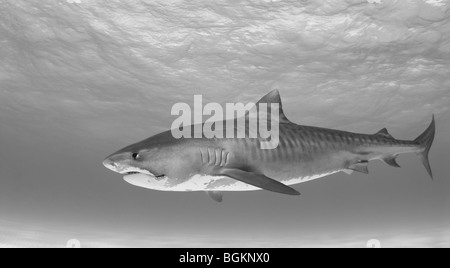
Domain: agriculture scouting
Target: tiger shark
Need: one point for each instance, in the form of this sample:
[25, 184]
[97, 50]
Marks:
[304, 153]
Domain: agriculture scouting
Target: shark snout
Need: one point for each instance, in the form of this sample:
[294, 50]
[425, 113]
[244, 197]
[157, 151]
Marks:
[123, 168]
[109, 164]
[114, 166]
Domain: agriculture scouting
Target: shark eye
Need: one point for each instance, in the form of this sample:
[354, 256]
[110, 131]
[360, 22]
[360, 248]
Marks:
[135, 156]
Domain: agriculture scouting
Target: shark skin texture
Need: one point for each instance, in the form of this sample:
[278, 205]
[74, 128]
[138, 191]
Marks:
[216, 165]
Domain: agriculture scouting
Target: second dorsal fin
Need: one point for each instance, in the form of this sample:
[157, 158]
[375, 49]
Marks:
[384, 132]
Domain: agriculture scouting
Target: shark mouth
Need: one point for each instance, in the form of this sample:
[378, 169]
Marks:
[146, 173]
[131, 173]
[128, 170]
[134, 171]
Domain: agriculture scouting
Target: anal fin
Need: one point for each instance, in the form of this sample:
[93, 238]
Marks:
[390, 160]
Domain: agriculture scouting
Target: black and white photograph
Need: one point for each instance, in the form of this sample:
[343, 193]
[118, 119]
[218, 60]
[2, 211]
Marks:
[238, 124]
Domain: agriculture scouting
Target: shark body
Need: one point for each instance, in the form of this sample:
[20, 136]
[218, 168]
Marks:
[304, 153]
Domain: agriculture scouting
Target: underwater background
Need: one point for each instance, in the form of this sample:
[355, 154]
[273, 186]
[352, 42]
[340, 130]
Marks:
[80, 79]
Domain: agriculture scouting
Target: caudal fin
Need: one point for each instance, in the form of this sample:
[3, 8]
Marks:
[424, 141]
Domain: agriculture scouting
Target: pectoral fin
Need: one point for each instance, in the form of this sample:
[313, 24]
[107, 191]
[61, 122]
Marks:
[259, 180]
[216, 195]
[360, 166]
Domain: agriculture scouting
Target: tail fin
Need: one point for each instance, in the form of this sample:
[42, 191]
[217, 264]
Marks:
[424, 141]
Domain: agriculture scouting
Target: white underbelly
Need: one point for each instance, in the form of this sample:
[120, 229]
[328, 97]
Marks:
[206, 183]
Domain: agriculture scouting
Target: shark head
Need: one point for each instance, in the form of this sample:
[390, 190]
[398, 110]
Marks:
[162, 161]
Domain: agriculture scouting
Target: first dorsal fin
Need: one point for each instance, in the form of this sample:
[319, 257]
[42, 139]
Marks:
[384, 132]
[274, 97]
